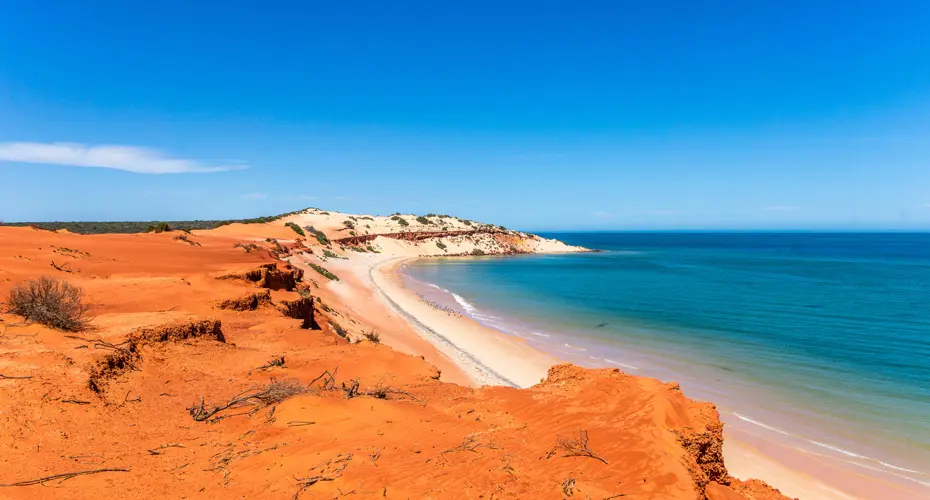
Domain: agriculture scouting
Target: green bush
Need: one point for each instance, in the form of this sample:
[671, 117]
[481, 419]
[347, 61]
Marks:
[325, 272]
[330, 254]
[400, 220]
[466, 222]
[321, 238]
[297, 229]
[478, 252]
[441, 245]
[161, 227]
[53, 303]
[423, 220]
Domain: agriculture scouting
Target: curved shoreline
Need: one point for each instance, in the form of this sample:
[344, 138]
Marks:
[477, 371]
[487, 356]
[748, 455]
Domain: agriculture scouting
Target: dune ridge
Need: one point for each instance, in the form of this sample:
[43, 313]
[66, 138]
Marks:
[253, 361]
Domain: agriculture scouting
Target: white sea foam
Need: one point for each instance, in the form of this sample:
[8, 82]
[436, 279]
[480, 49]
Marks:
[540, 334]
[838, 450]
[470, 309]
[764, 426]
[844, 452]
[631, 367]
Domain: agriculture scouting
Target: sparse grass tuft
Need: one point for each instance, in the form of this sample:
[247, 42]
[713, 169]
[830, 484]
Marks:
[53, 303]
[441, 245]
[325, 272]
[423, 220]
[186, 239]
[297, 229]
[372, 336]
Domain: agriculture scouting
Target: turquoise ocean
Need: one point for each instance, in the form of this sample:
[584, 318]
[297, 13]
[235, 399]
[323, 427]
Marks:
[821, 340]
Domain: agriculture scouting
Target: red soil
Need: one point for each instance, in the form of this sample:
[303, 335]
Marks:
[404, 434]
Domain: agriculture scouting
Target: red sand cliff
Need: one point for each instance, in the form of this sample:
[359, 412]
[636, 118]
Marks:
[384, 426]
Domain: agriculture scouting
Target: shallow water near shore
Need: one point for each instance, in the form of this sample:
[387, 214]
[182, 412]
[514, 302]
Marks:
[820, 341]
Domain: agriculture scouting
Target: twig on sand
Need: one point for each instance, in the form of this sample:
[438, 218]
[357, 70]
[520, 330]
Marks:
[155, 451]
[61, 477]
[259, 397]
[299, 423]
[279, 361]
[14, 377]
[329, 379]
[328, 471]
[576, 447]
[75, 401]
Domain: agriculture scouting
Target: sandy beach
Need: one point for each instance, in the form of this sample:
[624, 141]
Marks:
[490, 357]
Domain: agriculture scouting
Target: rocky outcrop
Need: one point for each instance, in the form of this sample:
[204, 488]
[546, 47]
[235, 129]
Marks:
[177, 331]
[270, 276]
[249, 302]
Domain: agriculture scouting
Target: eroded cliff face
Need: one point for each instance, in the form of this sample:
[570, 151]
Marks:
[269, 388]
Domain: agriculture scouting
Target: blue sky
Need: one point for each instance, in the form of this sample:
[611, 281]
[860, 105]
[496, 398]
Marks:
[535, 115]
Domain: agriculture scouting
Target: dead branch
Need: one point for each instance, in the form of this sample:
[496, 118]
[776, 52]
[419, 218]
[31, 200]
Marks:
[260, 397]
[65, 267]
[351, 390]
[279, 361]
[14, 377]
[328, 471]
[568, 487]
[298, 423]
[576, 447]
[375, 456]
[155, 451]
[329, 379]
[61, 477]
[75, 401]
[137, 399]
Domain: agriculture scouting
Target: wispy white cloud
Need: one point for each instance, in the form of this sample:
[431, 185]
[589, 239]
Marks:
[128, 158]
[782, 208]
[254, 196]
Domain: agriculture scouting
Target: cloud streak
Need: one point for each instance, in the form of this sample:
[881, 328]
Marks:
[127, 158]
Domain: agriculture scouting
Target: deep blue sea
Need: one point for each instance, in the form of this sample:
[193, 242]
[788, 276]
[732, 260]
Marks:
[823, 337]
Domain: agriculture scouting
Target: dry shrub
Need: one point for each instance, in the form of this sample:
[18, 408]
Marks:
[256, 397]
[51, 302]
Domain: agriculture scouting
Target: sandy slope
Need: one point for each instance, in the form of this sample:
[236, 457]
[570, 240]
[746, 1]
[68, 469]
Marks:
[407, 433]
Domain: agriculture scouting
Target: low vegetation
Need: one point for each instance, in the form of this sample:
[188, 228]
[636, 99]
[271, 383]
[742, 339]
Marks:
[478, 252]
[423, 220]
[48, 301]
[372, 336]
[320, 237]
[441, 245]
[248, 247]
[125, 227]
[297, 229]
[161, 227]
[325, 272]
[186, 239]
[329, 254]
[400, 220]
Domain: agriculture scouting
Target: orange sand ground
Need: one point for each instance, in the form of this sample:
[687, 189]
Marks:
[426, 438]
